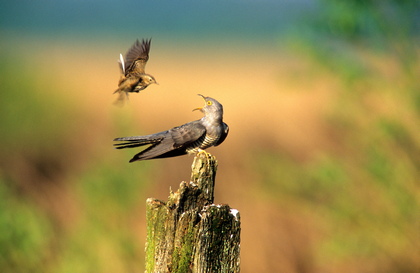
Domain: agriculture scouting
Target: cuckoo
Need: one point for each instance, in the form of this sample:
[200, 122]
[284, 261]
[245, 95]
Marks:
[189, 138]
[133, 76]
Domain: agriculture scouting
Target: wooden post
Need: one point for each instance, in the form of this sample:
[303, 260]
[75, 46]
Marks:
[189, 233]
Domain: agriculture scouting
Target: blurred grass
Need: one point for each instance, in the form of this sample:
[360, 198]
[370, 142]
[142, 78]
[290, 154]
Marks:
[105, 232]
[24, 233]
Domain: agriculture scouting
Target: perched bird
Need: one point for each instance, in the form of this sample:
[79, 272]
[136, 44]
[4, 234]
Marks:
[133, 76]
[189, 138]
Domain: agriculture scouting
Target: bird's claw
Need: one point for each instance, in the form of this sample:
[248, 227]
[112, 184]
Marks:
[206, 154]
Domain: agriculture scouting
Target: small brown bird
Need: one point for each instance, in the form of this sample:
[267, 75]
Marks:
[133, 76]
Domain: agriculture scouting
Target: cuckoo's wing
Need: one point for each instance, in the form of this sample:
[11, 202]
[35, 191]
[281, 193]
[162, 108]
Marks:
[137, 57]
[224, 134]
[175, 142]
[169, 143]
[185, 135]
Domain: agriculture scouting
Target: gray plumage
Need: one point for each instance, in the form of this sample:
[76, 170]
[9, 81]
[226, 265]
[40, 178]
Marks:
[191, 137]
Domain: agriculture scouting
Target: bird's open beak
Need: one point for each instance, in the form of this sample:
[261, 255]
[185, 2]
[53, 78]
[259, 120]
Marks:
[200, 108]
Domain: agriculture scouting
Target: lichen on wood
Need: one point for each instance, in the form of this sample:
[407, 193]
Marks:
[189, 233]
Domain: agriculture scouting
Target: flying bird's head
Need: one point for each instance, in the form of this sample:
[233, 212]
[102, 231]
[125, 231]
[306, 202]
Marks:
[149, 79]
[212, 108]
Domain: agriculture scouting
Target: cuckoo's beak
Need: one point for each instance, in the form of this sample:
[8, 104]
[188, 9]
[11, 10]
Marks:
[200, 108]
[202, 96]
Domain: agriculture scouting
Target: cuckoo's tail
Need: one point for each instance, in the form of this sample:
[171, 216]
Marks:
[132, 142]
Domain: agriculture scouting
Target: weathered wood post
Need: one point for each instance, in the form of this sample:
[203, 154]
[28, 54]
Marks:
[189, 233]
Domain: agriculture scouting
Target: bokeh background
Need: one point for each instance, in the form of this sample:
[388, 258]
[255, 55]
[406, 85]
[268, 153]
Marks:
[322, 99]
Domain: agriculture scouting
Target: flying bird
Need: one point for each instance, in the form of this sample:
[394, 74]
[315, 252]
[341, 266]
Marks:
[189, 138]
[133, 76]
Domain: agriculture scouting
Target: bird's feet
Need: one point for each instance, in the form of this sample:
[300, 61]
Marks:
[206, 154]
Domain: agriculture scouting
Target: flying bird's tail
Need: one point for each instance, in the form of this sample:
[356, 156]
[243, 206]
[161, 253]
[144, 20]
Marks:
[122, 97]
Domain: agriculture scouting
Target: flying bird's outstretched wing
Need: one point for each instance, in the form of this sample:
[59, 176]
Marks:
[137, 57]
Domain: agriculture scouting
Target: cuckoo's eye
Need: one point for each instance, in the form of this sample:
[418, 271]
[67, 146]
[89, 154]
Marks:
[209, 102]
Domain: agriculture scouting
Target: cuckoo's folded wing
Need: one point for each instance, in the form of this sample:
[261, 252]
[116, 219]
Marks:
[175, 142]
[187, 134]
[223, 135]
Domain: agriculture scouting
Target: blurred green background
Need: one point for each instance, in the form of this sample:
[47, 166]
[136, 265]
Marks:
[323, 103]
